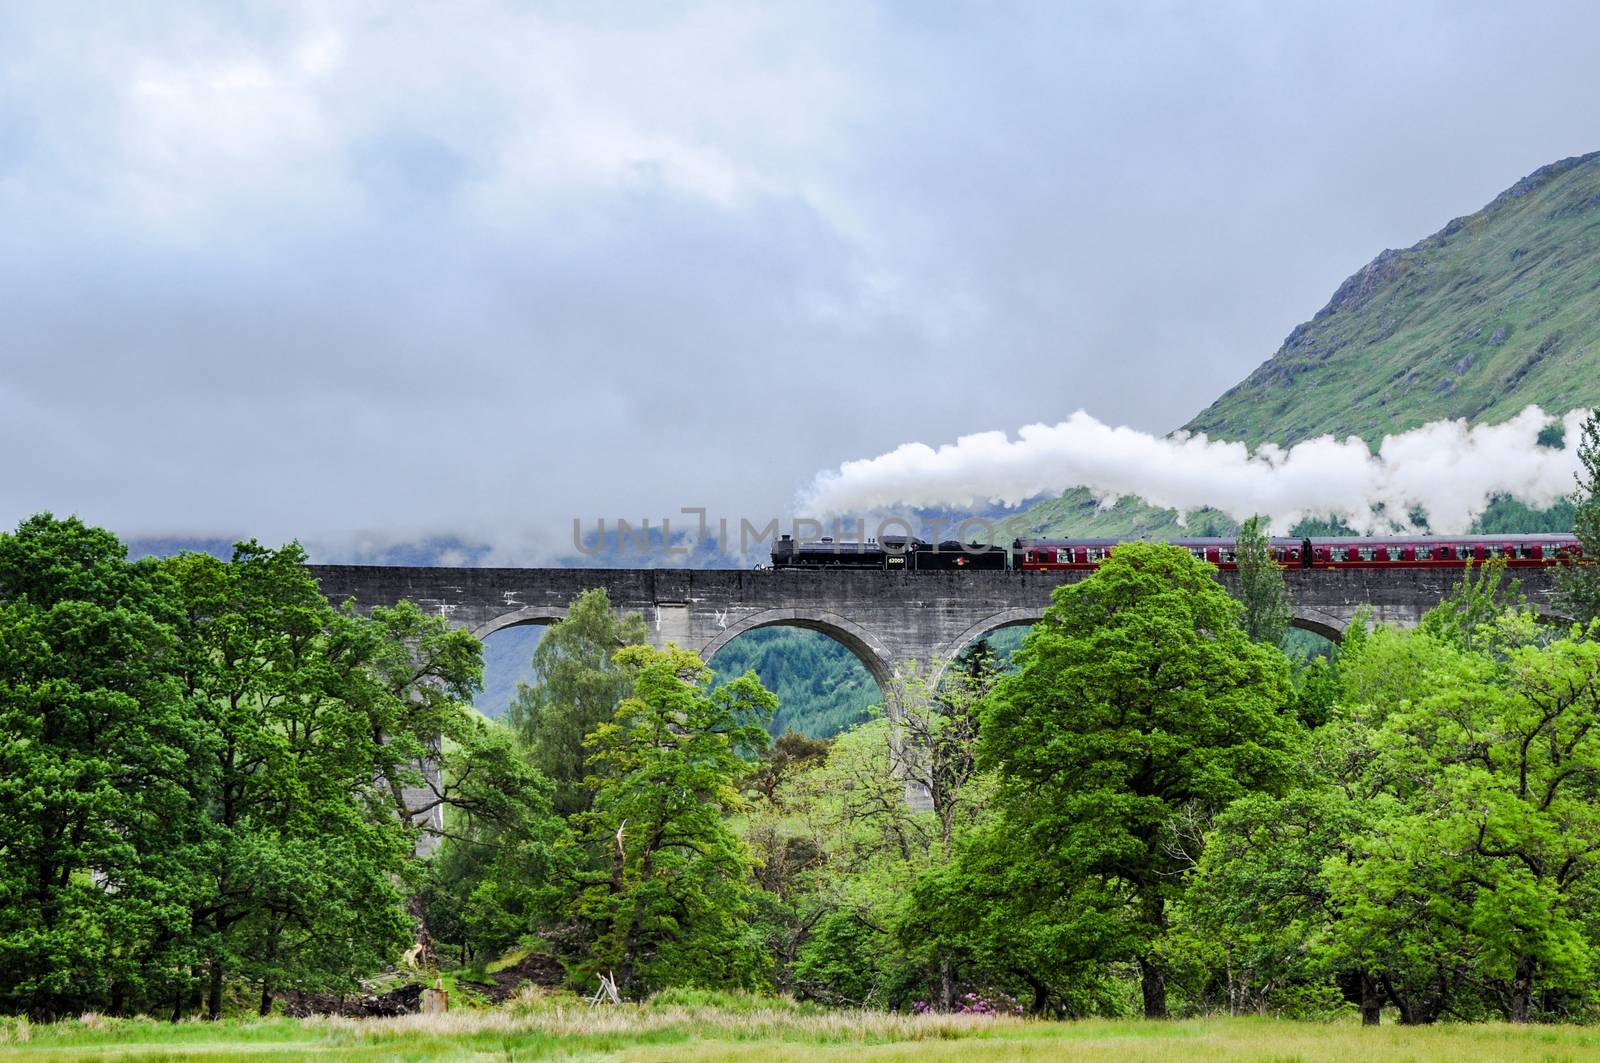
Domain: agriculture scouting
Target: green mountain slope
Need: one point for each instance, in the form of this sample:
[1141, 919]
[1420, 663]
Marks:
[1497, 310]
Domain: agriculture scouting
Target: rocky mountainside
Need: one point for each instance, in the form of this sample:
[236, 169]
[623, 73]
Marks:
[1497, 310]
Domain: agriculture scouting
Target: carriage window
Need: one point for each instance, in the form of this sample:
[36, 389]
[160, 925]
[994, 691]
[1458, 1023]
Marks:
[1198, 551]
[1352, 554]
[1367, 553]
[1560, 550]
[1492, 552]
[1227, 555]
[1063, 557]
[1096, 556]
[1447, 553]
[1528, 552]
[1424, 553]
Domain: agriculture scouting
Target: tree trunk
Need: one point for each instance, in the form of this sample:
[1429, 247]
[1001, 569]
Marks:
[1398, 1001]
[1522, 990]
[1041, 996]
[1371, 1000]
[266, 999]
[197, 998]
[214, 993]
[417, 908]
[1152, 972]
[1153, 983]
[947, 988]
[414, 830]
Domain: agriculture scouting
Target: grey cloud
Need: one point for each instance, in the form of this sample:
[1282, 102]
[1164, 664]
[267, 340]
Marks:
[304, 271]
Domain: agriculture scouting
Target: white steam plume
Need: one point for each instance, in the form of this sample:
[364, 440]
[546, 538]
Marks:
[1447, 470]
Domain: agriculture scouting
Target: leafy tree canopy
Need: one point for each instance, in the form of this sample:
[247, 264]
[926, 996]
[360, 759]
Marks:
[578, 684]
[675, 906]
[1138, 695]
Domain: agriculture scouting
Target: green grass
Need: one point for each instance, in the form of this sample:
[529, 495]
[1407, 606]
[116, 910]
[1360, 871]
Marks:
[567, 1029]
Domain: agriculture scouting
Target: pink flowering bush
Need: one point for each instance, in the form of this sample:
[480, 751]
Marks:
[975, 1004]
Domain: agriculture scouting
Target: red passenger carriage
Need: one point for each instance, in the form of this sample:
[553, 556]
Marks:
[1417, 551]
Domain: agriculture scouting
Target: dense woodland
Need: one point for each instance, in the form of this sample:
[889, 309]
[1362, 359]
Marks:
[1152, 811]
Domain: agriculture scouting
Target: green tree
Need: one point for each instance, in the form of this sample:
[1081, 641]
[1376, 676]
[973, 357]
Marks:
[440, 762]
[505, 870]
[1260, 907]
[1481, 597]
[1482, 866]
[938, 737]
[97, 784]
[1138, 699]
[1261, 587]
[1439, 855]
[303, 851]
[786, 856]
[676, 906]
[870, 846]
[1580, 583]
[791, 754]
[577, 686]
[1003, 918]
[935, 754]
[822, 687]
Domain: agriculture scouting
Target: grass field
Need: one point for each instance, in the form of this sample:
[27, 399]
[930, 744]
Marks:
[788, 1034]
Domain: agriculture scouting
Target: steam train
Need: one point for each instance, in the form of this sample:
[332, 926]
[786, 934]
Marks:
[910, 554]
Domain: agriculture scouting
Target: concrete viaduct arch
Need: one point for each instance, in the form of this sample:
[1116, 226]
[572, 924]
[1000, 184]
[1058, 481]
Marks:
[872, 654]
[531, 614]
[1319, 623]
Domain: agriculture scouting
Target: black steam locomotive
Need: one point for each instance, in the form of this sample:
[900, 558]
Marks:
[893, 552]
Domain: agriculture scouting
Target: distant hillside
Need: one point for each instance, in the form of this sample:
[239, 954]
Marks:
[1497, 310]
[822, 689]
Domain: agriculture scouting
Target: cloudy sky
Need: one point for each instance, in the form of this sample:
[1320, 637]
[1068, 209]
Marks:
[344, 270]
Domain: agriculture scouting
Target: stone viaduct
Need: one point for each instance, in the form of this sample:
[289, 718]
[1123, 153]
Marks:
[895, 622]
[890, 620]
